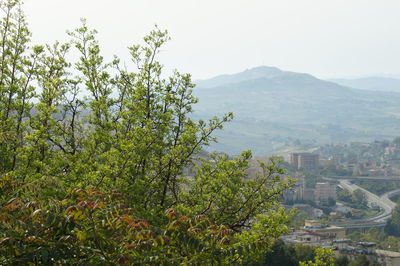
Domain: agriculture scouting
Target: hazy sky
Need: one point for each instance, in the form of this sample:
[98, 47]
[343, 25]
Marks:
[327, 38]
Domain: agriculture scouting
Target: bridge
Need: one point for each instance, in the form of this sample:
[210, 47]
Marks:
[372, 178]
[378, 221]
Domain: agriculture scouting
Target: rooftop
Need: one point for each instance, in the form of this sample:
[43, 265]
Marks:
[388, 253]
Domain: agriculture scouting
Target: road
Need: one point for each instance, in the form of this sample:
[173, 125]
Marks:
[383, 202]
[386, 197]
[372, 178]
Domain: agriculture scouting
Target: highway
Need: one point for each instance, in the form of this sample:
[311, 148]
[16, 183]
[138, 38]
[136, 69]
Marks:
[383, 202]
[386, 197]
[372, 178]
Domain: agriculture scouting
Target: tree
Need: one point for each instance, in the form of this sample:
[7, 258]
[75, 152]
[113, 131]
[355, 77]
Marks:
[73, 134]
[17, 68]
[92, 227]
[279, 254]
[360, 261]
[344, 195]
[342, 261]
[393, 225]
[304, 253]
[323, 257]
[358, 197]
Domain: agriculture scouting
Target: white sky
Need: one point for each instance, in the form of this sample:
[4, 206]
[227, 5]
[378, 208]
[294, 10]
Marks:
[326, 38]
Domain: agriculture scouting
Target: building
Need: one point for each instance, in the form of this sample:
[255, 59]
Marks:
[304, 160]
[352, 250]
[299, 186]
[317, 228]
[388, 258]
[294, 160]
[309, 194]
[317, 234]
[325, 193]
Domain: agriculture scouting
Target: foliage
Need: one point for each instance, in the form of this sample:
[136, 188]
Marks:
[358, 197]
[323, 257]
[393, 225]
[360, 261]
[344, 195]
[297, 221]
[89, 226]
[378, 187]
[312, 178]
[383, 240]
[342, 261]
[332, 169]
[304, 253]
[281, 254]
[356, 200]
[94, 155]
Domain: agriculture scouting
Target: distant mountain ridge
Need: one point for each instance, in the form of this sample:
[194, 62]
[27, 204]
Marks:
[249, 74]
[274, 107]
[371, 83]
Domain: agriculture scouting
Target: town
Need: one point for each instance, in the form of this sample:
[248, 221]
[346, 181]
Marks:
[343, 194]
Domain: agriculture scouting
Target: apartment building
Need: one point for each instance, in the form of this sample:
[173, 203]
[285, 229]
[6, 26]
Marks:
[304, 160]
[324, 192]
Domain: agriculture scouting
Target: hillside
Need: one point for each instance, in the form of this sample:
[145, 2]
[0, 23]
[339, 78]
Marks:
[274, 107]
[371, 83]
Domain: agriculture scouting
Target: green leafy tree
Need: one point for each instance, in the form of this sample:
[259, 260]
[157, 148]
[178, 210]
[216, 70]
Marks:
[390, 243]
[393, 225]
[90, 148]
[344, 195]
[360, 261]
[280, 255]
[304, 253]
[17, 67]
[359, 197]
[323, 257]
[342, 261]
[93, 227]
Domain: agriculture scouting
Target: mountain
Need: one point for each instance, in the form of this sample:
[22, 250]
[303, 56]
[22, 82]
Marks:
[371, 83]
[274, 107]
[249, 74]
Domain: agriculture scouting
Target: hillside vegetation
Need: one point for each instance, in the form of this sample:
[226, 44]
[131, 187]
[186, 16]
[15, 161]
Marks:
[274, 107]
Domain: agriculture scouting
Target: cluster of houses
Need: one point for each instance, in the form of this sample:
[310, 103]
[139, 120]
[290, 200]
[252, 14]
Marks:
[316, 233]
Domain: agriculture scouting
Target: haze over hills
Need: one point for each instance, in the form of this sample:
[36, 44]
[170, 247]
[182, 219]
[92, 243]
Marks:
[371, 83]
[274, 107]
